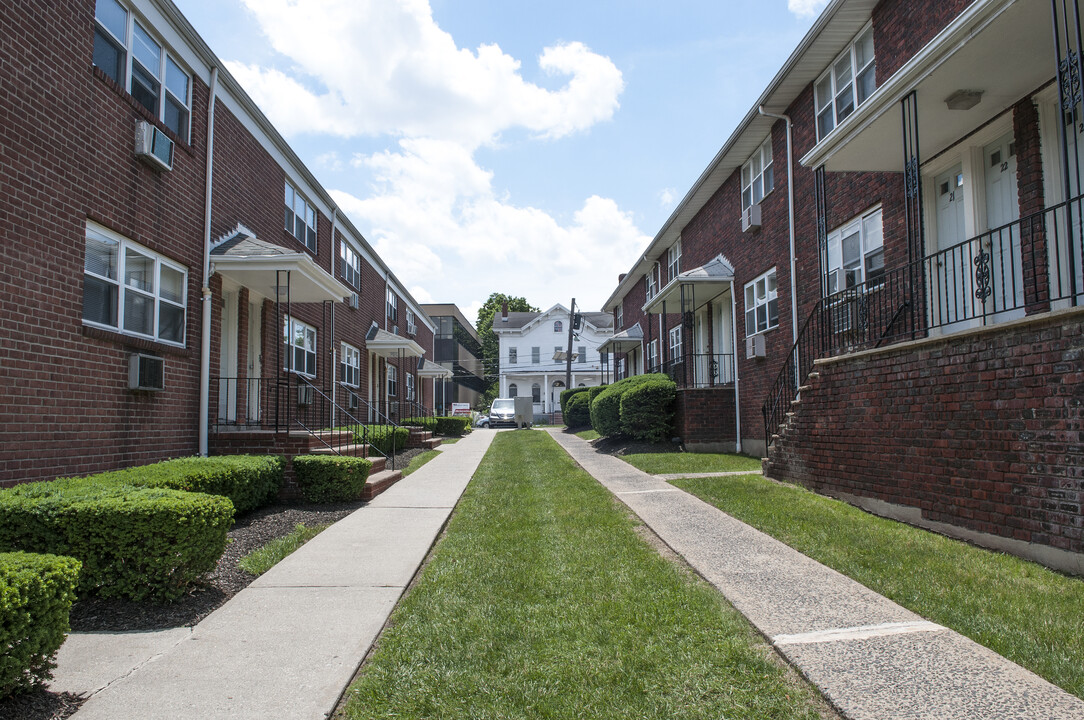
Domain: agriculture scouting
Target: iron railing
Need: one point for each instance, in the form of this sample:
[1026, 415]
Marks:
[1033, 263]
[700, 370]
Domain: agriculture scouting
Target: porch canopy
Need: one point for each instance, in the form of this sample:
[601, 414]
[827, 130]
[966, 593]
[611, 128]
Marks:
[430, 369]
[997, 50]
[701, 286]
[622, 342]
[388, 345]
[272, 271]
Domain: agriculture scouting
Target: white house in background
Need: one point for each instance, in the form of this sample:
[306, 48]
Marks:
[533, 347]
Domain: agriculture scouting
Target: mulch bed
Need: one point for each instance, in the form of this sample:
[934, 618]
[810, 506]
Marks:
[618, 446]
[117, 615]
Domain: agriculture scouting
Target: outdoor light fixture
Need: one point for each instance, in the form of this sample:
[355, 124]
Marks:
[963, 99]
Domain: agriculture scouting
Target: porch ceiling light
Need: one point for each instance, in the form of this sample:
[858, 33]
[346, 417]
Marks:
[963, 99]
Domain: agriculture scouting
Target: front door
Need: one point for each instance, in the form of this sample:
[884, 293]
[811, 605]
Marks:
[255, 360]
[227, 360]
[1000, 284]
[951, 271]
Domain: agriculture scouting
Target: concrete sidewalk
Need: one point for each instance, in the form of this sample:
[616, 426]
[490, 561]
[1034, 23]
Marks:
[870, 657]
[287, 645]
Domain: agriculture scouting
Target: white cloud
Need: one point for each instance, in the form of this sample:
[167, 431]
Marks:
[667, 197]
[388, 68]
[329, 161]
[806, 8]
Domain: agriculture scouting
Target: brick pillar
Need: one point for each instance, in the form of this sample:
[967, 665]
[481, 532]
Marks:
[1029, 183]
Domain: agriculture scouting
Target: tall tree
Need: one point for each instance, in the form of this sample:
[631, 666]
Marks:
[491, 348]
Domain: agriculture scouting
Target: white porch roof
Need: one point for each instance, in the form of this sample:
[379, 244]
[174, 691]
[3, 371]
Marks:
[388, 345]
[261, 266]
[628, 339]
[711, 279]
[430, 369]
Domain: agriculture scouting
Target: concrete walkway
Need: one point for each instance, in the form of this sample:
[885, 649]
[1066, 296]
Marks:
[871, 658]
[287, 645]
[729, 473]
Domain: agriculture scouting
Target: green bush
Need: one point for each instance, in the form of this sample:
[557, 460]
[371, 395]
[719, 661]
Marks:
[136, 542]
[331, 478]
[429, 423]
[647, 409]
[454, 426]
[249, 481]
[578, 412]
[569, 393]
[36, 594]
[382, 437]
[606, 406]
[593, 392]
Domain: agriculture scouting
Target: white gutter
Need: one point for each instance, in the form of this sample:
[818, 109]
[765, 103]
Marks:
[737, 395]
[205, 328]
[790, 218]
[334, 382]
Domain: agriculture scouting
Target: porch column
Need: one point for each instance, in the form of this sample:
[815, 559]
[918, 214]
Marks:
[713, 367]
[916, 243]
[1069, 62]
[545, 395]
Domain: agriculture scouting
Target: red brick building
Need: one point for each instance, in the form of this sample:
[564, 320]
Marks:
[876, 283]
[173, 271]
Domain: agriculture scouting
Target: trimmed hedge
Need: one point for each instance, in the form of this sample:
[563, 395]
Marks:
[647, 409]
[382, 437]
[249, 481]
[453, 425]
[578, 412]
[331, 478]
[429, 423]
[36, 594]
[569, 393]
[606, 406]
[136, 542]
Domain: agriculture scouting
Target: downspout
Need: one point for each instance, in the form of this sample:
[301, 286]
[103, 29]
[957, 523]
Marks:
[332, 375]
[790, 218]
[737, 385]
[205, 334]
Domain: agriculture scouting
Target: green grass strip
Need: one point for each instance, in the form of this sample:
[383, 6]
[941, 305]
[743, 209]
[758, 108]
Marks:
[588, 434]
[541, 601]
[420, 460]
[1021, 610]
[667, 463]
[265, 557]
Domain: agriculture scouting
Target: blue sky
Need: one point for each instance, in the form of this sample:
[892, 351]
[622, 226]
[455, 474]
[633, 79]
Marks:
[532, 148]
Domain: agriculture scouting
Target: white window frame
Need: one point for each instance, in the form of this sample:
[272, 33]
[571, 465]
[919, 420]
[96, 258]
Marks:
[536, 355]
[298, 330]
[349, 265]
[536, 393]
[513, 356]
[411, 324]
[513, 390]
[167, 90]
[619, 317]
[301, 218]
[581, 353]
[869, 227]
[410, 386]
[650, 289]
[675, 343]
[845, 71]
[653, 354]
[350, 365]
[393, 381]
[757, 175]
[762, 304]
[558, 326]
[392, 309]
[673, 261]
[123, 286]
[620, 370]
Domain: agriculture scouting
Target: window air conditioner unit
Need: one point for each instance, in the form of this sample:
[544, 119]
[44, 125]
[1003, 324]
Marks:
[750, 218]
[304, 395]
[152, 146]
[754, 347]
[354, 300]
[146, 372]
[352, 401]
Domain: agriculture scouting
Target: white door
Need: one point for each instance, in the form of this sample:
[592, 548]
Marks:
[951, 271]
[255, 360]
[227, 360]
[1003, 295]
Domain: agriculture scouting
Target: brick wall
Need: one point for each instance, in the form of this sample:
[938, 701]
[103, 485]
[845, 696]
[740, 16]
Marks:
[980, 430]
[705, 419]
[903, 27]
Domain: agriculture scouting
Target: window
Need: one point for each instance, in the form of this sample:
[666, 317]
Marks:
[512, 356]
[651, 288]
[131, 289]
[855, 253]
[393, 380]
[513, 391]
[411, 325]
[653, 354]
[558, 326]
[761, 304]
[536, 355]
[675, 343]
[350, 366]
[581, 354]
[604, 358]
[536, 393]
[620, 372]
[557, 349]
[846, 84]
[393, 307]
[757, 178]
[126, 52]
[300, 347]
[300, 218]
[349, 266]
[673, 261]
[619, 317]
[409, 386]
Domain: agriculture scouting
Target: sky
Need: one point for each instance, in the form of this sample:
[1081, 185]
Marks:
[527, 147]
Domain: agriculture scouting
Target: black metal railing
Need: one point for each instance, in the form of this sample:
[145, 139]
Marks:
[700, 370]
[1033, 263]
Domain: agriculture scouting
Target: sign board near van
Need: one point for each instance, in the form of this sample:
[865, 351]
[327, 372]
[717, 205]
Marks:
[460, 409]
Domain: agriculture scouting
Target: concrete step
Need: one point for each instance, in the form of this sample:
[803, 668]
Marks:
[351, 450]
[379, 482]
[432, 443]
[379, 463]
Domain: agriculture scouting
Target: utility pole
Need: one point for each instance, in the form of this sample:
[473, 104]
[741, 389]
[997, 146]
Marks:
[568, 355]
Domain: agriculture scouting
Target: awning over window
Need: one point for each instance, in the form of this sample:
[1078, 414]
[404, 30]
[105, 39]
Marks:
[702, 285]
[428, 368]
[274, 272]
[388, 345]
[628, 339]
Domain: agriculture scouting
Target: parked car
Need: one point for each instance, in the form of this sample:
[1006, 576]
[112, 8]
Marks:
[482, 421]
[503, 412]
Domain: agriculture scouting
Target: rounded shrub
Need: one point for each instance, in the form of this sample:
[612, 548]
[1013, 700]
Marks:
[606, 406]
[647, 409]
[135, 542]
[452, 425]
[566, 395]
[578, 412]
[36, 595]
[331, 478]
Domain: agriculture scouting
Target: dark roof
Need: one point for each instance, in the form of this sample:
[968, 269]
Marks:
[242, 244]
[515, 320]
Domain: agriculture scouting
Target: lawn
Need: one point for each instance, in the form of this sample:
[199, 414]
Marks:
[1021, 610]
[588, 434]
[670, 462]
[266, 556]
[542, 601]
[446, 440]
[418, 460]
